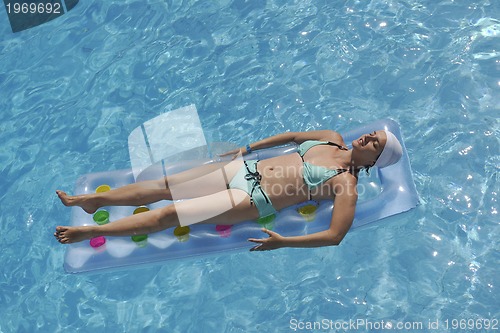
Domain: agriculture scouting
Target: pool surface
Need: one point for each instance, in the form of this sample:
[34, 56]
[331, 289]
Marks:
[72, 90]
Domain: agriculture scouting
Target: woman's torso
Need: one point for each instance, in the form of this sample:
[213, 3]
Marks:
[282, 176]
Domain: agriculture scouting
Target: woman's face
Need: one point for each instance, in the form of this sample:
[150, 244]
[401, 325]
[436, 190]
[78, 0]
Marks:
[370, 146]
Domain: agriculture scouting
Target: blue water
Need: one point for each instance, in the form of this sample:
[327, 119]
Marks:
[71, 90]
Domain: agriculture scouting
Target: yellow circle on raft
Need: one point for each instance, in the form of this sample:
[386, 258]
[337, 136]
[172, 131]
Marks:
[102, 188]
[182, 233]
[308, 212]
[307, 209]
[141, 209]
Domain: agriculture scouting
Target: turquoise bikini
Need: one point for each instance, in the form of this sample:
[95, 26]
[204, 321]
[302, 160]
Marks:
[248, 178]
[315, 175]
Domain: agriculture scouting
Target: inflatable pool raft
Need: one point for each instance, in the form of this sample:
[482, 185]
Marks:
[385, 192]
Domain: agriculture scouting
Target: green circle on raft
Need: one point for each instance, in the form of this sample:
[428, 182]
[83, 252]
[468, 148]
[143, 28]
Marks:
[139, 238]
[101, 217]
[267, 221]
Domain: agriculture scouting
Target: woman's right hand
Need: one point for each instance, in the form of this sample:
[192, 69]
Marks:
[273, 242]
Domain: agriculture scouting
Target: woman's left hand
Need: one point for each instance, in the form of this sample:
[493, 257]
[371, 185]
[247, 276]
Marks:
[235, 152]
[273, 242]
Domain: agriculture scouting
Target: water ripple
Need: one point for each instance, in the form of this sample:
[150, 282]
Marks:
[72, 90]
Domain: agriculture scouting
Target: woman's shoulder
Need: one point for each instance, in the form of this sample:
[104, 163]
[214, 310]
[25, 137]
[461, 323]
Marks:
[334, 137]
[345, 184]
[320, 135]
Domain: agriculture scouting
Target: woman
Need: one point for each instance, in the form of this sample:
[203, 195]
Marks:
[322, 169]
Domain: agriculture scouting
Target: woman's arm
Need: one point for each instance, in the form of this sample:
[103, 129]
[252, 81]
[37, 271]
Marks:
[297, 137]
[342, 217]
[287, 137]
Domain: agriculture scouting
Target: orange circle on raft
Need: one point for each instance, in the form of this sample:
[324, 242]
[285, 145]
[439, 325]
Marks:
[102, 188]
[141, 209]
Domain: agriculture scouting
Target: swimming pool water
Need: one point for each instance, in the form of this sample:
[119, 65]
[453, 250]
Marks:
[72, 89]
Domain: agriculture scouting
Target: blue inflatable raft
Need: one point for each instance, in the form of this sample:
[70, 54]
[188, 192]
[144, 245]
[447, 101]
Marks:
[385, 192]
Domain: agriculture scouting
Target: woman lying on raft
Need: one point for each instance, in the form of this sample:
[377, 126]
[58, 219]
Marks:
[322, 169]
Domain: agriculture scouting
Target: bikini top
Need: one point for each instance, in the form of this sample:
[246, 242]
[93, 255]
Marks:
[315, 175]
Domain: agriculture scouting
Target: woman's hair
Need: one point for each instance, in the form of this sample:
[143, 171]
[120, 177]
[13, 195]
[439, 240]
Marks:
[355, 171]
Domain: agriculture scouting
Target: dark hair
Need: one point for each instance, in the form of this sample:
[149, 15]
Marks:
[365, 168]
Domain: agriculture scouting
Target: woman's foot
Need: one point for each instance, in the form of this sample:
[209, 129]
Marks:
[87, 204]
[66, 235]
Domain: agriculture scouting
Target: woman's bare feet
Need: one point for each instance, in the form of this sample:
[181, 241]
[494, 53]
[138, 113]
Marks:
[66, 235]
[87, 204]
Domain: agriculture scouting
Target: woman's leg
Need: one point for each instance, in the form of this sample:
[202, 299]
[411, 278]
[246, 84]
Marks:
[225, 207]
[196, 182]
[136, 194]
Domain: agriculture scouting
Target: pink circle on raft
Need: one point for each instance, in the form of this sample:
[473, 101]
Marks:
[221, 227]
[97, 242]
[223, 230]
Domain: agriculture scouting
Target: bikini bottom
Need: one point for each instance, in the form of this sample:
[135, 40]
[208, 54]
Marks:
[248, 179]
